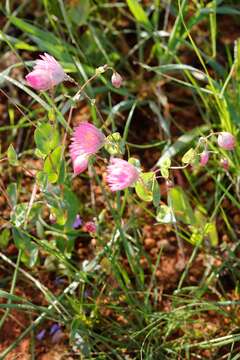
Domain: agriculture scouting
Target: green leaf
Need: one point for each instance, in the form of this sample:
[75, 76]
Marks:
[52, 165]
[139, 13]
[60, 214]
[211, 231]
[46, 138]
[156, 193]
[18, 214]
[189, 156]
[196, 237]
[30, 250]
[79, 12]
[114, 144]
[4, 238]
[165, 215]
[135, 162]
[12, 193]
[72, 204]
[180, 205]
[144, 186]
[165, 172]
[30, 255]
[39, 154]
[12, 156]
[164, 167]
[42, 180]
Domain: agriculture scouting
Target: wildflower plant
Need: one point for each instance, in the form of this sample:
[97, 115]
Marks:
[79, 158]
[86, 141]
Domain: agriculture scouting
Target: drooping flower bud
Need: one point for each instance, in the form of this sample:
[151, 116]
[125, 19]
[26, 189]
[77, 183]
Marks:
[204, 157]
[116, 80]
[226, 140]
[224, 163]
[46, 74]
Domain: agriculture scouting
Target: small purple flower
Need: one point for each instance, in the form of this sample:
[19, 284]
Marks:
[41, 335]
[54, 328]
[77, 222]
[226, 140]
[204, 157]
[58, 281]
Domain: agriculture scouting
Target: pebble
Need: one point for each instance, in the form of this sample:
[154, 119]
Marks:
[165, 245]
[236, 219]
[149, 243]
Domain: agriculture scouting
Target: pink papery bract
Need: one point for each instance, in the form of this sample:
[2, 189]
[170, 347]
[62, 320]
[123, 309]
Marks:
[121, 174]
[226, 140]
[86, 141]
[46, 73]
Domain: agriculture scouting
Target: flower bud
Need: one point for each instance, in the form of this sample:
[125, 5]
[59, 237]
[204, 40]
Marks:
[226, 141]
[52, 219]
[169, 184]
[116, 80]
[204, 157]
[224, 163]
[90, 227]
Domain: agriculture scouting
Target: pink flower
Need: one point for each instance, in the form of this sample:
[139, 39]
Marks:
[226, 140]
[116, 80]
[121, 174]
[204, 157]
[86, 141]
[90, 227]
[46, 74]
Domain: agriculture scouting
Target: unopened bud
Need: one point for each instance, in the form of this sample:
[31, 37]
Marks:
[169, 184]
[226, 141]
[204, 157]
[52, 219]
[116, 80]
[224, 163]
